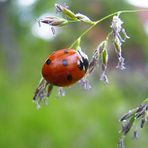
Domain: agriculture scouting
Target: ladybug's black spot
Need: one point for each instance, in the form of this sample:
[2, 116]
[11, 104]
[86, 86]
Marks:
[69, 77]
[48, 61]
[80, 65]
[65, 62]
[65, 51]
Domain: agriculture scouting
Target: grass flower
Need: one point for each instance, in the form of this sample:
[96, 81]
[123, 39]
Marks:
[139, 114]
[117, 29]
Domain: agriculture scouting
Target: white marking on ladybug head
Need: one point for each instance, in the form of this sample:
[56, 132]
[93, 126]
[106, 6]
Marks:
[83, 59]
[82, 54]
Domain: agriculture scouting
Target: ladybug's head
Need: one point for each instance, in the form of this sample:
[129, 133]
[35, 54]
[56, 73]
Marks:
[83, 60]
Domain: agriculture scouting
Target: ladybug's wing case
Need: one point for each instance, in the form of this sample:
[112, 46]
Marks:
[63, 68]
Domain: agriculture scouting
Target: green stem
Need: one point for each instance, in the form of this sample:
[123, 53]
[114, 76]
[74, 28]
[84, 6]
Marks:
[75, 21]
[104, 18]
[108, 36]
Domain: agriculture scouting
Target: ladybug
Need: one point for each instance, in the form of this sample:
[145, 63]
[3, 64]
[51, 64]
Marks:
[65, 67]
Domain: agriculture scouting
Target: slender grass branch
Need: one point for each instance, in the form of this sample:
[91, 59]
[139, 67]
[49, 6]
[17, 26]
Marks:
[104, 18]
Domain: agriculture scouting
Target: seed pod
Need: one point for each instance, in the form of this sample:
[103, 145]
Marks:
[117, 45]
[60, 92]
[128, 115]
[84, 18]
[65, 11]
[54, 21]
[105, 57]
[121, 143]
[127, 126]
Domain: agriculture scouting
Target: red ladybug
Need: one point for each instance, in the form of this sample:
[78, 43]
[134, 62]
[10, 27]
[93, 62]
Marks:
[65, 67]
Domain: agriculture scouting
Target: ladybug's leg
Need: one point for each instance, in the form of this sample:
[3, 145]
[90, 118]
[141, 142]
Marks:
[50, 87]
[60, 92]
[84, 83]
[42, 92]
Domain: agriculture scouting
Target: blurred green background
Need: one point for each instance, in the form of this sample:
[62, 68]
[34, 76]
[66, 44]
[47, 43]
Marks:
[81, 119]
